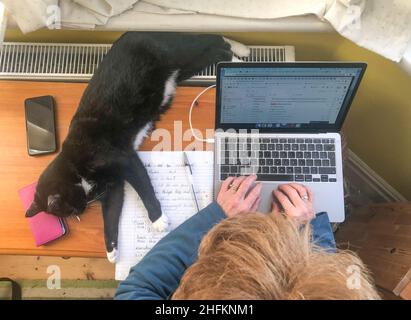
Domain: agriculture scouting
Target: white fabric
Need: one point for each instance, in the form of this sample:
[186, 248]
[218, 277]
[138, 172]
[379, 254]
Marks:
[30, 15]
[89, 14]
[406, 60]
[3, 22]
[378, 25]
[252, 9]
[143, 6]
[382, 26]
[74, 15]
[107, 8]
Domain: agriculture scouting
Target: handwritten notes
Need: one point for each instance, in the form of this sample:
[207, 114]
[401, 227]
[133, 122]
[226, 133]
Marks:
[170, 181]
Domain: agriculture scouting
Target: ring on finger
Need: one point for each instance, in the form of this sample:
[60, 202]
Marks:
[233, 187]
[305, 198]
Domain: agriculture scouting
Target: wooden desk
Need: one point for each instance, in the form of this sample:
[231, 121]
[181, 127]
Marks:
[17, 168]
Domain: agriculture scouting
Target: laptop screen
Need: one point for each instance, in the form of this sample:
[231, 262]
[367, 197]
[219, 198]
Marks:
[286, 96]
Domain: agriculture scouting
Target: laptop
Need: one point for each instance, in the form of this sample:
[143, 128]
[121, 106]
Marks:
[281, 121]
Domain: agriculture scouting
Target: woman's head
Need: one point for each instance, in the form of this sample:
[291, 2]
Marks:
[270, 257]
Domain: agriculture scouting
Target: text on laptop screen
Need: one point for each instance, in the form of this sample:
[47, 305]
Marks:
[286, 97]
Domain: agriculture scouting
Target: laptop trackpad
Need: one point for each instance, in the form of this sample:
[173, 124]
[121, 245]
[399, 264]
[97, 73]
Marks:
[326, 198]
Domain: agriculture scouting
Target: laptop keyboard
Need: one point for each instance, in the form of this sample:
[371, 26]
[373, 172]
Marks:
[279, 159]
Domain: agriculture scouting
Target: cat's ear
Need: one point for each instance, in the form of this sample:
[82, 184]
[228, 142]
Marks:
[33, 210]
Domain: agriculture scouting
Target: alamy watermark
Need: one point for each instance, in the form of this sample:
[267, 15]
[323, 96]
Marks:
[352, 18]
[354, 277]
[53, 20]
[54, 279]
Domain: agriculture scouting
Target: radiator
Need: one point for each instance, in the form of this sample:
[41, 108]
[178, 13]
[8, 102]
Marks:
[77, 62]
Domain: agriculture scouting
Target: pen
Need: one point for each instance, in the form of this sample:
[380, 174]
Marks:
[190, 179]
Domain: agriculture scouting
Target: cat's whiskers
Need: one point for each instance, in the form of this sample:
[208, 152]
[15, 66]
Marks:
[91, 206]
[90, 202]
[75, 216]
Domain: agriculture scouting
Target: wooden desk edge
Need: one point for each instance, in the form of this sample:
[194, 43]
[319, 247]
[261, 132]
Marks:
[51, 253]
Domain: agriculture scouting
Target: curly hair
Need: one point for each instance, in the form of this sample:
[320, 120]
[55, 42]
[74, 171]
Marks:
[270, 257]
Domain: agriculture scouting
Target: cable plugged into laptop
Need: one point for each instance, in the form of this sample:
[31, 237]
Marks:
[190, 116]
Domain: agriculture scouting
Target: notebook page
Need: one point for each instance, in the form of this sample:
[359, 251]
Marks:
[169, 178]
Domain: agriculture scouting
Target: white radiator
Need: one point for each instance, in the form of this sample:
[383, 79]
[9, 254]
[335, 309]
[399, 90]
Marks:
[77, 62]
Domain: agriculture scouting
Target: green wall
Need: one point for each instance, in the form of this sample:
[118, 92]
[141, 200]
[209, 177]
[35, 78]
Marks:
[377, 126]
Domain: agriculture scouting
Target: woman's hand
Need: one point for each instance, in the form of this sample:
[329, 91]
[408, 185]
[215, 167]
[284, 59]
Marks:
[239, 196]
[295, 200]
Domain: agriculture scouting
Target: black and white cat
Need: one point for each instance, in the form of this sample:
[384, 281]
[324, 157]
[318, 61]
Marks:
[133, 86]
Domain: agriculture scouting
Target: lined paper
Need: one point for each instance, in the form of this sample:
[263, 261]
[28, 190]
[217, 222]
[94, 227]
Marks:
[170, 181]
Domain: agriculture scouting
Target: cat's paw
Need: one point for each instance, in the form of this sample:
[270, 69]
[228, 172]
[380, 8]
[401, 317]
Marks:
[112, 256]
[239, 49]
[161, 224]
[235, 59]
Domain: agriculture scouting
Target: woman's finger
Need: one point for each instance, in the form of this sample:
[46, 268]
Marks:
[292, 194]
[226, 183]
[240, 179]
[253, 195]
[245, 185]
[275, 207]
[310, 194]
[236, 183]
[302, 190]
[254, 207]
[283, 200]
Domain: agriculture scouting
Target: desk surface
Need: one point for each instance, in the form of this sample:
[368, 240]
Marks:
[17, 168]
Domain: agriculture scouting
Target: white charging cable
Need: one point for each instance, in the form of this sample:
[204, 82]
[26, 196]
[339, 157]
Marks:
[191, 111]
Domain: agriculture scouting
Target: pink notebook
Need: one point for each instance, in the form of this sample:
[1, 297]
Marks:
[45, 227]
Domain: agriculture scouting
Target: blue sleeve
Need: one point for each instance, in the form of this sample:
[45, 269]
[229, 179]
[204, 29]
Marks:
[322, 233]
[158, 274]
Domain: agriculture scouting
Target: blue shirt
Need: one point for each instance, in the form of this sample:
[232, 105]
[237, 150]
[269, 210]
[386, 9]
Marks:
[158, 274]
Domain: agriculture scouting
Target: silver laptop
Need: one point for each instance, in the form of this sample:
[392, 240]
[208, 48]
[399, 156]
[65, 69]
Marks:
[281, 121]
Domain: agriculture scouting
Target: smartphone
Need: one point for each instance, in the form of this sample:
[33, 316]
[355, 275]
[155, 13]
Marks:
[40, 125]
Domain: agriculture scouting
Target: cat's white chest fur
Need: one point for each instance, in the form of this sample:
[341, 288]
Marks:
[86, 186]
[170, 88]
[169, 91]
[143, 133]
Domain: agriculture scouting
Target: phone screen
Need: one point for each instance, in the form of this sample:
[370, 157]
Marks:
[40, 125]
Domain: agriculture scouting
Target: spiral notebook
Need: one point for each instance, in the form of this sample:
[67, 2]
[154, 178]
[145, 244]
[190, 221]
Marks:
[171, 184]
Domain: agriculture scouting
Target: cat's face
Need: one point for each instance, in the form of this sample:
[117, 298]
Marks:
[59, 198]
